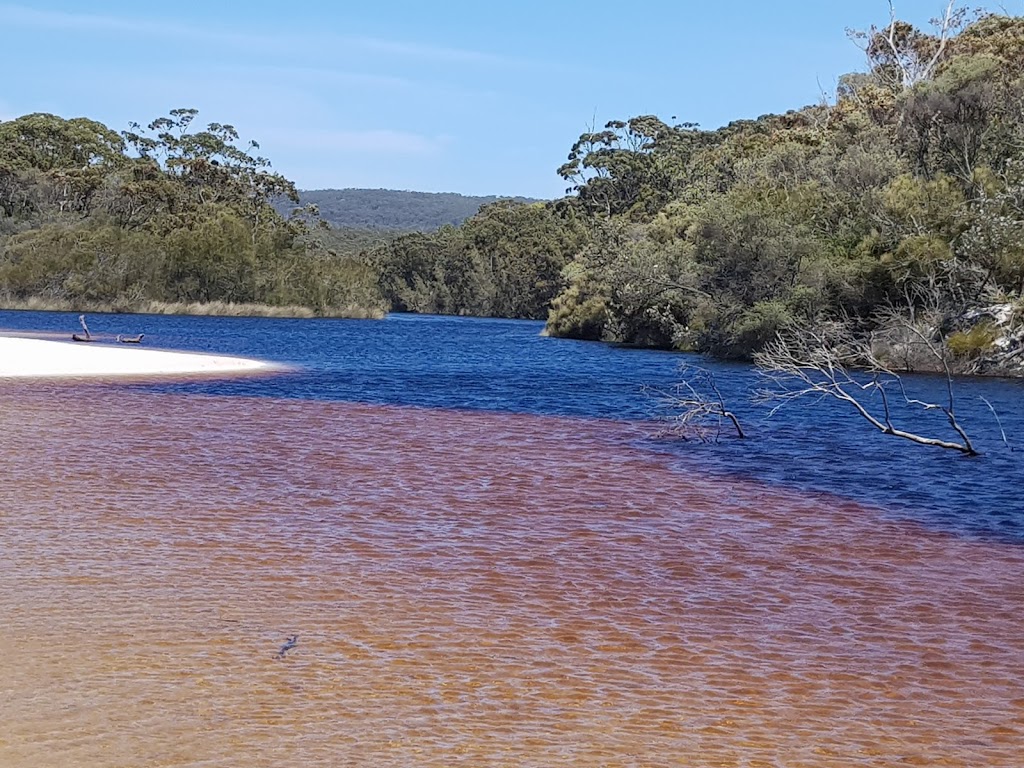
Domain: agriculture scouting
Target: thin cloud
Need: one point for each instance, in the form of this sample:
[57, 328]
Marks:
[436, 53]
[18, 15]
[374, 141]
[357, 79]
[31, 17]
[307, 78]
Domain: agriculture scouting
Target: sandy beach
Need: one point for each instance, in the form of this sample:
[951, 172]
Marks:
[23, 357]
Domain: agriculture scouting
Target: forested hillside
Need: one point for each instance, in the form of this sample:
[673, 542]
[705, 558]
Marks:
[374, 209]
[897, 207]
[902, 199]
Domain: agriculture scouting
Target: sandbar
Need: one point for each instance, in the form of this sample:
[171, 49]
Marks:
[22, 357]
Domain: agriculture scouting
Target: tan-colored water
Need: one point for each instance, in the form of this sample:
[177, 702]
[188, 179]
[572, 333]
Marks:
[468, 589]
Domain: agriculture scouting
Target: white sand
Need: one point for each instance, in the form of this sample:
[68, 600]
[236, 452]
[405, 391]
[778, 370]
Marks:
[36, 357]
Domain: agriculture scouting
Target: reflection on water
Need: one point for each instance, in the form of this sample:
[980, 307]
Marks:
[467, 588]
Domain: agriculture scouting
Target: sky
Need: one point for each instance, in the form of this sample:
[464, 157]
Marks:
[474, 97]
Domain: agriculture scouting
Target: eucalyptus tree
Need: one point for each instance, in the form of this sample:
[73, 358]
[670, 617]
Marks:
[48, 161]
[631, 167]
[207, 168]
[902, 56]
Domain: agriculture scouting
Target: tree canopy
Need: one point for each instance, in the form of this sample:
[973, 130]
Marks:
[905, 191]
[161, 213]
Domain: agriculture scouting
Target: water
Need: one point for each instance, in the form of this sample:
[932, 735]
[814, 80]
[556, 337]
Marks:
[490, 558]
[506, 366]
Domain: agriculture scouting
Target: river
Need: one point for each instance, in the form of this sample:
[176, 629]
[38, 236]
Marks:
[491, 556]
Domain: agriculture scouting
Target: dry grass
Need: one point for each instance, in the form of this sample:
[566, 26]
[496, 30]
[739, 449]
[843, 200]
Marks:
[222, 309]
[37, 304]
[213, 308]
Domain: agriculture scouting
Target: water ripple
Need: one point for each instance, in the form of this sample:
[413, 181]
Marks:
[468, 588]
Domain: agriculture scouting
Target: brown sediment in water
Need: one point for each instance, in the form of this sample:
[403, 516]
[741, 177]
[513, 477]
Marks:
[467, 588]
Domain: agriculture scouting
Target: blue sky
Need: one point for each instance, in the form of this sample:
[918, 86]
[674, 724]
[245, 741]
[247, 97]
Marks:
[470, 97]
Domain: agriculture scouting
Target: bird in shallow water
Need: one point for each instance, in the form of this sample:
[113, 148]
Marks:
[290, 643]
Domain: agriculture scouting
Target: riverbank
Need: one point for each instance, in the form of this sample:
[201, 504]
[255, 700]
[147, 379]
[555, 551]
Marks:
[204, 309]
[22, 357]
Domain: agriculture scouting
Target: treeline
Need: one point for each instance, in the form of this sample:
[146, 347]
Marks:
[906, 194]
[166, 214]
[507, 261]
[392, 209]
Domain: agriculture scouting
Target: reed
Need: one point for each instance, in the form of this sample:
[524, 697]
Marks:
[213, 308]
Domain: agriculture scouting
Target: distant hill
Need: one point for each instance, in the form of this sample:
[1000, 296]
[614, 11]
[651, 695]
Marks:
[391, 209]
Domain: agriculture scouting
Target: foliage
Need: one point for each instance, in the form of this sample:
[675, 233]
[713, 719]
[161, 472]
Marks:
[908, 187]
[165, 213]
[905, 192]
[974, 342]
[507, 260]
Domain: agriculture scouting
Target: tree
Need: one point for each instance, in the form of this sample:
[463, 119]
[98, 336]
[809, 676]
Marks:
[946, 124]
[63, 162]
[412, 269]
[208, 168]
[212, 261]
[995, 240]
[46, 142]
[166, 213]
[523, 248]
[627, 287]
[900, 55]
[629, 167]
[506, 261]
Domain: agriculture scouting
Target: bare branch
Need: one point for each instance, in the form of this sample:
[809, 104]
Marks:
[999, 421]
[816, 361]
[698, 406]
[913, 56]
[945, 27]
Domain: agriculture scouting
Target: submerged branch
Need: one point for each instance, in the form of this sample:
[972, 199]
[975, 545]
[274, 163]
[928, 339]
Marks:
[698, 405]
[816, 361]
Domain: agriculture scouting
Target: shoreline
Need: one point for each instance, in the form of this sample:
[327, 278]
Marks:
[195, 308]
[23, 357]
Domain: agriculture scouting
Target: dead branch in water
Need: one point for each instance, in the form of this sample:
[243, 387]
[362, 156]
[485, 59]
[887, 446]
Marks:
[816, 362]
[698, 405]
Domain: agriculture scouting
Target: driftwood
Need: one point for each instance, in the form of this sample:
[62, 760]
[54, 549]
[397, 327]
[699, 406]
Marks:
[698, 407]
[289, 644]
[87, 336]
[817, 362]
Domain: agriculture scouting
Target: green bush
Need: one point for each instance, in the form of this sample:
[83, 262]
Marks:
[576, 316]
[973, 343]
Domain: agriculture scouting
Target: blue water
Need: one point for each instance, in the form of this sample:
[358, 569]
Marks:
[506, 366]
